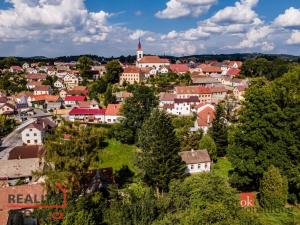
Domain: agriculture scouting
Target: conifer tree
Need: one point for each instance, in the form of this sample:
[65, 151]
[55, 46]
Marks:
[160, 158]
[273, 189]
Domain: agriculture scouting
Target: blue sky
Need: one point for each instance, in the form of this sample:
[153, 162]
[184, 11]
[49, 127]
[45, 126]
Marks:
[176, 27]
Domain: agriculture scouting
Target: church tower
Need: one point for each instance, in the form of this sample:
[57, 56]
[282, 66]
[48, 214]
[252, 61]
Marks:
[139, 52]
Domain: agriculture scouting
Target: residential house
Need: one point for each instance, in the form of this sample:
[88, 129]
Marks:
[59, 84]
[163, 70]
[34, 133]
[87, 115]
[166, 98]
[122, 96]
[182, 106]
[72, 101]
[205, 117]
[32, 70]
[219, 93]
[71, 81]
[205, 81]
[235, 64]
[26, 152]
[131, 75]
[25, 66]
[239, 92]
[36, 77]
[232, 72]
[179, 68]
[63, 93]
[79, 90]
[112, 113]
[42, 90]
[196, 161]
[33, 84]
[203, 93]
[208, 69]
[7, 109]
[15, 69]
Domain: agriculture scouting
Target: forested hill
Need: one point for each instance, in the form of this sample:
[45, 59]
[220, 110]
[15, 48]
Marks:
[195, 58]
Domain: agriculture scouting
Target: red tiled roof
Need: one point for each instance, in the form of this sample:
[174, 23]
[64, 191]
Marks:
[84, 104]
[239, 63]
[192, 90]
[45, 97]
[179, 68]
[26, 152]
[75, 98]
[216, 89]
[113, 109]
[39, 76]
[210, 69]
[153, 59]
[205, 116]
[132, 69]
[80, 111]
[42, 88]
[233, 72]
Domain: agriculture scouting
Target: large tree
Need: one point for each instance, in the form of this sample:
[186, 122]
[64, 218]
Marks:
[219, 130]
[208, 143]
[108, 96]
[273, 189]
[70, 152]
[160, 148]
[138, 107]
[113, 71]
[268, 133]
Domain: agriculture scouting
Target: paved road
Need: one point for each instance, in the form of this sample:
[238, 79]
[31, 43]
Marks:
[12, 140]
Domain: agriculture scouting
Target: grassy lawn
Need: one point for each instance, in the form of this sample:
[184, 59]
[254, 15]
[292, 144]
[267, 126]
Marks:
[116, 155]
[222, 167]
[280, 218]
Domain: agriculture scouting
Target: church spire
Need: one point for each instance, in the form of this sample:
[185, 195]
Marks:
[139, 45]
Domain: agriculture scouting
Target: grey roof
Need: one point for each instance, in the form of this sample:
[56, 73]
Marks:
[19, 167]
[195, 156]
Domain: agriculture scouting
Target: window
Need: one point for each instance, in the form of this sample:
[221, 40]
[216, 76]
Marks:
[205, 166]
[27, 135]
[30, 129]
[28, 141]
[199, 166]
[35, 141]
[34, 134]
[192, 167]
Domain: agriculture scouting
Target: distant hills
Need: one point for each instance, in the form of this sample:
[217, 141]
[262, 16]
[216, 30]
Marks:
[195, 58]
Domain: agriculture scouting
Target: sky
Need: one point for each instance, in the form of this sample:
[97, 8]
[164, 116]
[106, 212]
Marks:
[172, 27]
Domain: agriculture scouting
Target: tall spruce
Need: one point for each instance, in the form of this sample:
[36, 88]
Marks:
[108, 96]
[219, 131]
[160, 158]
[138, 107]
[273, 189]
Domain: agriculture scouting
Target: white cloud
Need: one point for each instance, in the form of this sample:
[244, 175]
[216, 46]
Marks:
[242, 12]
[150, 39]
[294, 38]
[180, 8]
[169, 36]
[137, 34]
[184, 48]
[50, 19]
[290, 18]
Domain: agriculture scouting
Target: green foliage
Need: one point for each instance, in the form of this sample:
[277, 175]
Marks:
[219, 131]
[137, 108]
[12, 83]
[262, 67]
[162, 80]
[188, 139]
[208, 143]
[273, 189]
[160, 160]
[72, 157]
[84, 65]
[108, 96]
[113, 71]
[50, 81]
[6, 125]
[7, 62]
[97, 87]
[121, 133]
[135, 205]
[268, 133]
[203, 199]
[222, 168]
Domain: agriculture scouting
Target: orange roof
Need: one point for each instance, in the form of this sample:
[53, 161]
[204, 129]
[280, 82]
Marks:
[205, 116]
[209, 69]
[84, 104]
[113, 109]
[153, 59]
[132, 69]
[192, 90]
[45, 97]
[239, 64]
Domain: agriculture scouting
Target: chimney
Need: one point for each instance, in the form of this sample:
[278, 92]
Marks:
[208, 118]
